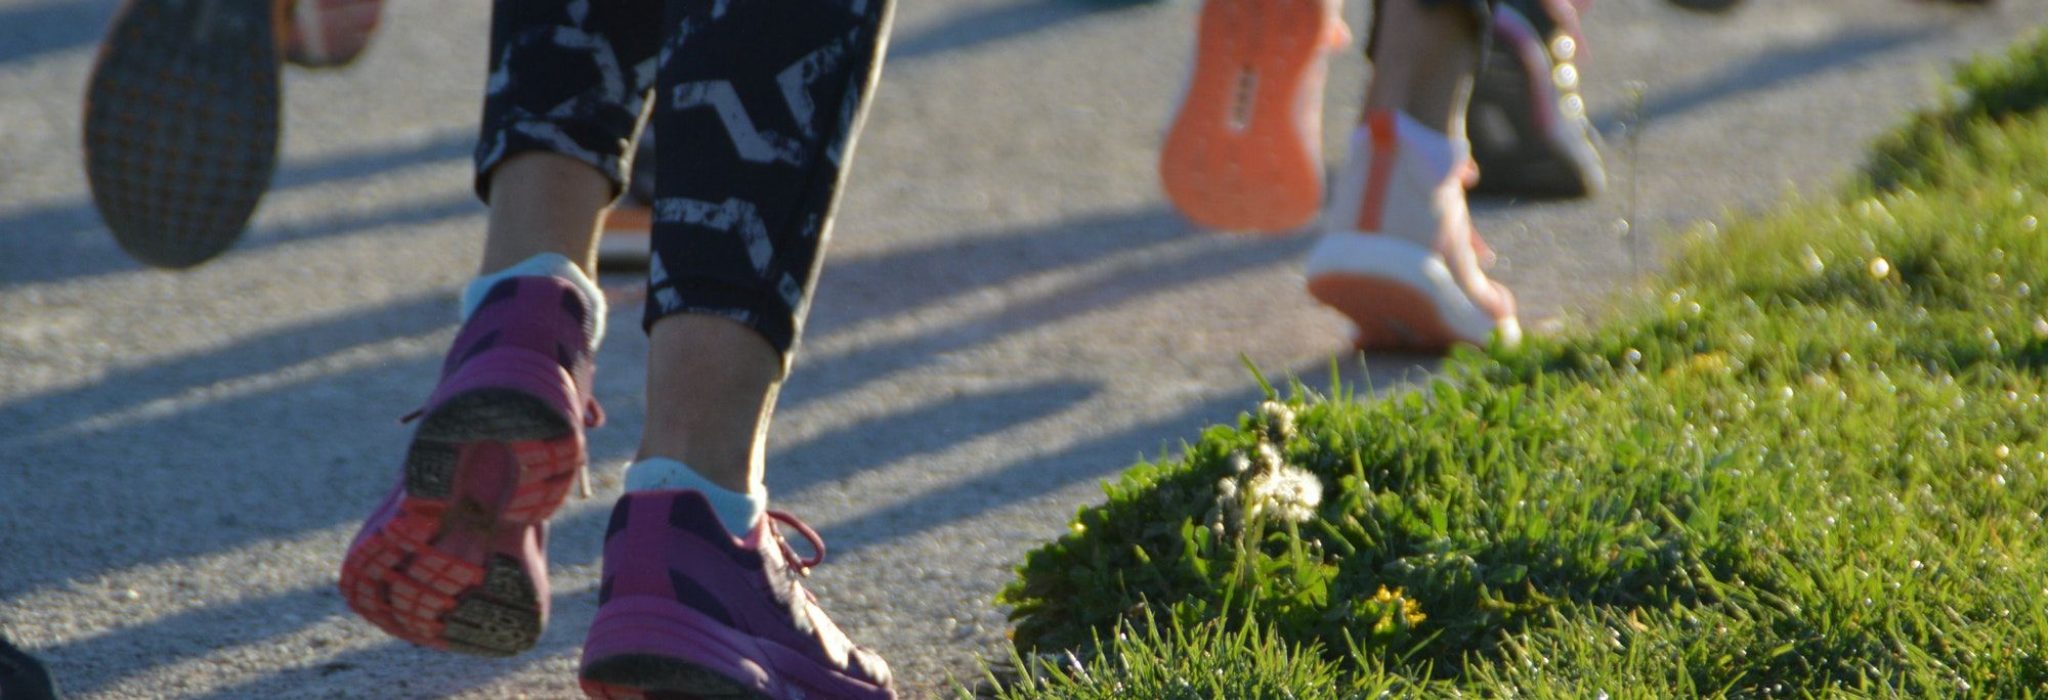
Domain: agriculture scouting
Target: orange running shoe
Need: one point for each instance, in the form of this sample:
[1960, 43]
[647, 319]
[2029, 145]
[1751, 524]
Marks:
[1245, 151]
[1402, 259]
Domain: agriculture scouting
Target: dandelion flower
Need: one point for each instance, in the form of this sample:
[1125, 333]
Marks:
[1239, 463]
[1269, 459]
[1278, 417]
[1289, 493]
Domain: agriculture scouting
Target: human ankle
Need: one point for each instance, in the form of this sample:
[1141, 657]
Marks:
[542, 265]
[739, 511]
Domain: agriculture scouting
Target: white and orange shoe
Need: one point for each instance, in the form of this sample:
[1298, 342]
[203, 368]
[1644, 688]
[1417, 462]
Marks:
[1245, 151]
[326, 33]
[1401, 258]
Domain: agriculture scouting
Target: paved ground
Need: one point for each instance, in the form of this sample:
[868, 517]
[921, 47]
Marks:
[1010, 315]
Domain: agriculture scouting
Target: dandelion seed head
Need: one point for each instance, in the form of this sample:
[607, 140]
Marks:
[1278, 417]
[1289, 493]
[1239, 463]
[1269, 459]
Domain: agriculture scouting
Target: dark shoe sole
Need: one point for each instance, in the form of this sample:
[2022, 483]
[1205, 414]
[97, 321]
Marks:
[650, 677]
[181, 125]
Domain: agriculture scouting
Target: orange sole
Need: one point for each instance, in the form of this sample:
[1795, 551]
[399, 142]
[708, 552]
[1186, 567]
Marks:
[1391, 317]
[428, 577]
[1236, 157]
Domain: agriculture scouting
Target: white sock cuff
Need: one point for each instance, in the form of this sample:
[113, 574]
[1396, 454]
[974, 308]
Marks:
[738, 511]
[542, 265]
[1438, 152]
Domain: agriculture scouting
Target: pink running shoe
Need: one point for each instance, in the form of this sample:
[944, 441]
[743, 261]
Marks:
[326, 33]
[456, 556]
[1403, 261]
[687, 610]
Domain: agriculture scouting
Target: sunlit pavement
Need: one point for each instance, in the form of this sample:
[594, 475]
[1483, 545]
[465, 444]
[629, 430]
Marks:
[1010, 314]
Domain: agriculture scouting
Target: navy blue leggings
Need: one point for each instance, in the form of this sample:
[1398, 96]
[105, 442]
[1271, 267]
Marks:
[755, 105]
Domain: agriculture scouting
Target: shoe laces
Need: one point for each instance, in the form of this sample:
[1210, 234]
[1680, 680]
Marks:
[801, 564]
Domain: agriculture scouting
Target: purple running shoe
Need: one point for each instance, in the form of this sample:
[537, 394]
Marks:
[687, 610]
[456, 556]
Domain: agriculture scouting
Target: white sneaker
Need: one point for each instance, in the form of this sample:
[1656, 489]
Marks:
[1401, 258]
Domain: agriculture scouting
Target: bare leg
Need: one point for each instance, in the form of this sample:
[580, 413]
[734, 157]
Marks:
[542, 202]
[1423, 62]
[711, 387]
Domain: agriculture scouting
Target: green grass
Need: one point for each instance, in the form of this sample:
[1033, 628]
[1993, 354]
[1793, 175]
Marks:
[1809, 460]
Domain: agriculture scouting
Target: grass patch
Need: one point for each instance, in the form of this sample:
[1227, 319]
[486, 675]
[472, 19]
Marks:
[1809, 462]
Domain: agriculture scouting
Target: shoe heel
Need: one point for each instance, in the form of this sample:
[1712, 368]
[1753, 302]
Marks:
[510, 399]
[1389, 315]
[1399, 295]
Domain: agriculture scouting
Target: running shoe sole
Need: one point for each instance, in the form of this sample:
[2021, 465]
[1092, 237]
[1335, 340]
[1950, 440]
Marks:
[652, 649]
[454, 560]
[1401, 296]
[1527, 140]
[181, 125]
[1239, 156]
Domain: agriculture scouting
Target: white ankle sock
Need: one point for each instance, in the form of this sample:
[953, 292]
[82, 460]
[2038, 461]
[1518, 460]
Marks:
[542, 265]
[1422, 156]
[740, 512]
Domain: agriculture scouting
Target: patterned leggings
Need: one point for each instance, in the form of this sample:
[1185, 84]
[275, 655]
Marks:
[756, 104]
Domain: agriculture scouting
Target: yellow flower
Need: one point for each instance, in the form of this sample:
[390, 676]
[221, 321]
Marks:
[1409, 610]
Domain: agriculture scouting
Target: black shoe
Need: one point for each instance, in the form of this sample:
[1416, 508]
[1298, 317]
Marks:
[22, 677]
[1527, 121]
